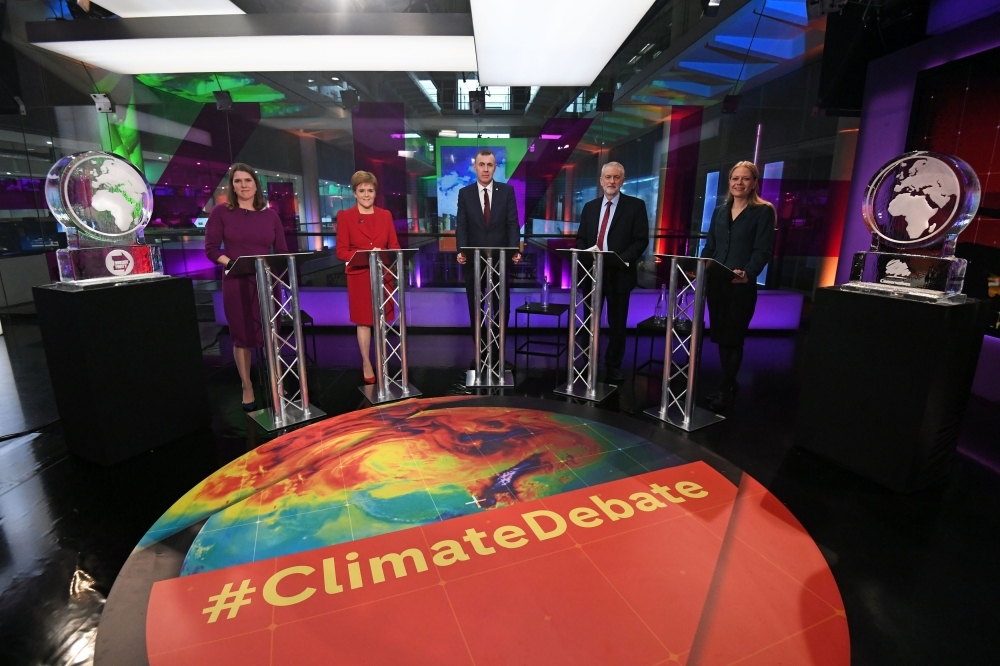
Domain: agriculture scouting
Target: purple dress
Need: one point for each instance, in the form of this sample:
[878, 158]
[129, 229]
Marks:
[237, 233]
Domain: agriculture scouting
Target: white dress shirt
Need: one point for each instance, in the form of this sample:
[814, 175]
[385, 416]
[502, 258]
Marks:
[482, 199]
[611, 216]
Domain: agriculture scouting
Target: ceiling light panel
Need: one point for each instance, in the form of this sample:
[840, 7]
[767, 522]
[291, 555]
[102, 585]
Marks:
[144, 8]
[274, 53]
[566, 42]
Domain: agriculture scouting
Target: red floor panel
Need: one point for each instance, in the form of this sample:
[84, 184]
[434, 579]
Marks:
[415, 628]
[618, 573]
[551, 610]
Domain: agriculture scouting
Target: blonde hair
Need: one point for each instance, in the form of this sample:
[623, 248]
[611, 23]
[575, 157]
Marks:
[361, 177]
[755, 199]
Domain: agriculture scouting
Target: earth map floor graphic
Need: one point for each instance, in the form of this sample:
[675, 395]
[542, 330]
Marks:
[476, 531]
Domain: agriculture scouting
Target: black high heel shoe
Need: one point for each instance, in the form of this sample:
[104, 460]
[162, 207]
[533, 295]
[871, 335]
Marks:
[723, 399]
[250, 406]
[711, 397]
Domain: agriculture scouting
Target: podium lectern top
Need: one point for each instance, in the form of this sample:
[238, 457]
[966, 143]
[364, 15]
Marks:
[690, 264]
[360, 257]
[611, 259]
[247, 264]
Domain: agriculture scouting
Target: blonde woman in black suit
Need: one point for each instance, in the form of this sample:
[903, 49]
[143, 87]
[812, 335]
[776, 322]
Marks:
[741, 237]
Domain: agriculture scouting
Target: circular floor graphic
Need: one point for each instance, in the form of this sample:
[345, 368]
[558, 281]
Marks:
[476, 531]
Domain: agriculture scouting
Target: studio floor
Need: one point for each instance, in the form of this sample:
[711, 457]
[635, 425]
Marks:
[912, 578]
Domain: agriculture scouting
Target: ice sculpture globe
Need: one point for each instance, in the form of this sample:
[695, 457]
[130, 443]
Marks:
[104, 202]
[916, 205]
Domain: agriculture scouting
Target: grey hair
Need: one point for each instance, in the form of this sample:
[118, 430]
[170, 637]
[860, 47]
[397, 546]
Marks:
[613, 164]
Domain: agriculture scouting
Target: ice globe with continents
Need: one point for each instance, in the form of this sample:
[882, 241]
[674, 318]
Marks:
[921, 199]
[100, 195]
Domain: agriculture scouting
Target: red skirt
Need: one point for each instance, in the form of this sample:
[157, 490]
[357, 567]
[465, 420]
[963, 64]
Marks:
[359, 299]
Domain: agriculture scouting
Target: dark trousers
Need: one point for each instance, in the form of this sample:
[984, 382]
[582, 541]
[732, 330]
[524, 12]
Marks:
[469, 274]
[616, 306]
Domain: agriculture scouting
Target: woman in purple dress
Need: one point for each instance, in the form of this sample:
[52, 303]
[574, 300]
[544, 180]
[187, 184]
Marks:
[243, 226]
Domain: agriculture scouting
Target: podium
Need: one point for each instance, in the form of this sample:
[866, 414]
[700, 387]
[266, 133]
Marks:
[390, 338]
[109, 349]
[278, 292]
[585, 331]
[490, 326]
[886, 382]
[685, 323]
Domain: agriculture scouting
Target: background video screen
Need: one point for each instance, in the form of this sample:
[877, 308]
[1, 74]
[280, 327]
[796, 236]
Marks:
[457, 171]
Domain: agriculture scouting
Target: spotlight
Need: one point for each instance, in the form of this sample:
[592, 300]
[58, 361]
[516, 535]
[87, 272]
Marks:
[102, 102]
[350, 99]
[710, 8]
[223, 100]
[477, 101]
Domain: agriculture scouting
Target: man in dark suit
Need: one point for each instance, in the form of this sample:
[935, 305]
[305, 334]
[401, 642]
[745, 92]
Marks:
[618, 223]
[487, 217]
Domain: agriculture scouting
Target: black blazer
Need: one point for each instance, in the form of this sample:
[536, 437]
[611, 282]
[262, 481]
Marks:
[470, 228]
[747, 245]
[628, 236]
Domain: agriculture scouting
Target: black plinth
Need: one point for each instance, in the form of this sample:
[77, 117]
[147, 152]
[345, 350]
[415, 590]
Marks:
[886, 384]
[125, 363]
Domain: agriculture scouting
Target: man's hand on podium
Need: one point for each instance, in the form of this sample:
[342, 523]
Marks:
[741, 277]
[461, 258]
[516, 258]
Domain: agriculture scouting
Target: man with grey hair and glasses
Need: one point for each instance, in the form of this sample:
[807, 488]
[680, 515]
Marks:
[618, 223]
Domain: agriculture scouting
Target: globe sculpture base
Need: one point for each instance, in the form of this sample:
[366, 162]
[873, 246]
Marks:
[909, 275]
[95, 265]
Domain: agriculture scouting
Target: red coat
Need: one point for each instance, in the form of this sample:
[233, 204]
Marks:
[363, 232]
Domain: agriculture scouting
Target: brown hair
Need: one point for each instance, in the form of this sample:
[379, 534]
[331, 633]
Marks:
[259, 202]
[486, 151]
[361, 177]
[755, 199]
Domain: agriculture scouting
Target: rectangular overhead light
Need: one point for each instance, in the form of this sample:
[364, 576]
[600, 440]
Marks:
[569, 41]
[143, 8]
[274, 53]
[266, 43]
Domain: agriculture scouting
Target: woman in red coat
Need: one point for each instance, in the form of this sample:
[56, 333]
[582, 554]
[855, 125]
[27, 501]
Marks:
[243, 226]
[364, 227]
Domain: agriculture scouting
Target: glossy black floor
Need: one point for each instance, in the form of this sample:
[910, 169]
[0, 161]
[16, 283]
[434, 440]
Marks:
[919, 573]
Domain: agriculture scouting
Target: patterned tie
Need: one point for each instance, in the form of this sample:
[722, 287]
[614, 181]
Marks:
[486, 207]
[604, 226]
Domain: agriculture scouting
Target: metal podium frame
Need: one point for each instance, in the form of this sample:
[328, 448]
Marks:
[490, 371]
[278, 292]
[678, 408]
[583, 383]
[388, 386]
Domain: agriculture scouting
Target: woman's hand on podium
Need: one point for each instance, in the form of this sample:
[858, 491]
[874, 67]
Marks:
[741, 277]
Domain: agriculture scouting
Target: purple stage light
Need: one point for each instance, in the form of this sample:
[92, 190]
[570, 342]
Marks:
[448, 308]
[985, 384]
